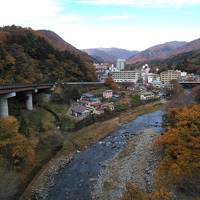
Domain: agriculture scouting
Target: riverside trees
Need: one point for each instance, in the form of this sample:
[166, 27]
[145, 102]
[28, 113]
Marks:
[181, 158]
[179, 170]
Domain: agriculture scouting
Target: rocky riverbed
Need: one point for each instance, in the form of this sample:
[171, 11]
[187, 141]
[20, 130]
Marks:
[47, 179]
[135, 163]
[82, 177]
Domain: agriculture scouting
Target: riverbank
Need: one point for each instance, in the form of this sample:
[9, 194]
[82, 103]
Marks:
[136, 163]
[78, 141]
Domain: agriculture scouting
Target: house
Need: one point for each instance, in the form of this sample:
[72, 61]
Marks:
[98, 111]
[147, 96]
[110, 106]
[157, 84]
[115, 97]
[86, 96]
[79, 111]
[107, 94]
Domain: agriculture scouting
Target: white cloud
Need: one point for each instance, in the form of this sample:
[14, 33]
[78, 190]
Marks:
[151, 3]
[48, 14]
[36, 12]
[24, 10]
[133, 38]
[115, 17]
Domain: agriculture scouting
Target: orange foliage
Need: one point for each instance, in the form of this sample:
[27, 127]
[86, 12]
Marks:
[181, 162]
[14, 146]
[111, 83]
[135, 193]
[161, 194]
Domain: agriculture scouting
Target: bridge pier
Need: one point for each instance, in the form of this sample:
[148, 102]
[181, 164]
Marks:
[29, 101]
[4, 111]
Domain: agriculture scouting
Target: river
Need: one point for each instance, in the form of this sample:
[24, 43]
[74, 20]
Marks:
[76, 180]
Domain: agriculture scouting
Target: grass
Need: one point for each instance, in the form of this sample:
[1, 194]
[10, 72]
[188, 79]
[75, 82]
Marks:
[36, 121]
[59, 109]
[89, 135]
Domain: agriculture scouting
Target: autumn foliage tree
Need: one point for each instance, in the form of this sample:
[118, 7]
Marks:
[109, 82]
[26, 57]
[14, 147]
[180, 167]
[133, 192]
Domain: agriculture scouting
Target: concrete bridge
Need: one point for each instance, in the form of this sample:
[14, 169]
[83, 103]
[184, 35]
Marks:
[189, 84]
[83, 83]
[10, 90]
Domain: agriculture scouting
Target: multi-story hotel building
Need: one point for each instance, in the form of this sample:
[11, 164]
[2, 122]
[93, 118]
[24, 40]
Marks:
[125, 76]
[169, 75]
[120, 64]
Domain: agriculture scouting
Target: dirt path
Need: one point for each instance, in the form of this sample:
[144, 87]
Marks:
[136, 163]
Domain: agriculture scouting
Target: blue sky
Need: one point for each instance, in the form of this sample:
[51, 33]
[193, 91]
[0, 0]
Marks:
[129, 24]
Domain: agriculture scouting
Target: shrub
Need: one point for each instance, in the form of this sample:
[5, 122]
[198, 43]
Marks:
[14, 146]
[181, 144]
[135, 101]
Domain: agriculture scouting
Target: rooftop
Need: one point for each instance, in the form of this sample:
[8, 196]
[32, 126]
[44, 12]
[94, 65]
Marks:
[78, 108]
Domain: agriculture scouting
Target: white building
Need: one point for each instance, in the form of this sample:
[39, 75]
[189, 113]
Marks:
[145, 69]
[152, 77]
[107, 94]
[113, 69]
[146, 76]
[126, 76]
[147, 96]
[120, 64]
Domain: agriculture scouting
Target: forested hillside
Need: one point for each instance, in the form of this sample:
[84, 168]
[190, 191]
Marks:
[160, 51]
[58, 43]
[189, 62]
[26, 57]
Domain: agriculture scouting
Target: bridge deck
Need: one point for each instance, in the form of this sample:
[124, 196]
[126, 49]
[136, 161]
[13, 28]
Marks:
[7, 88]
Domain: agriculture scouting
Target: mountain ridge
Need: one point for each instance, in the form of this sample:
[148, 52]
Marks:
[160, 51]
[109, 55]
[60, 44]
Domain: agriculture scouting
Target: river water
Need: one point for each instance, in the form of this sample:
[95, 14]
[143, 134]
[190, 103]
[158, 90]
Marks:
[76, 180]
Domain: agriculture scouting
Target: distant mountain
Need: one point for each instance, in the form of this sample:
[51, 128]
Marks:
[26, 57]
[109, 55]
[187, 61]
[161, 51]
[185, 58]
[190, 46]
[62, 45]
